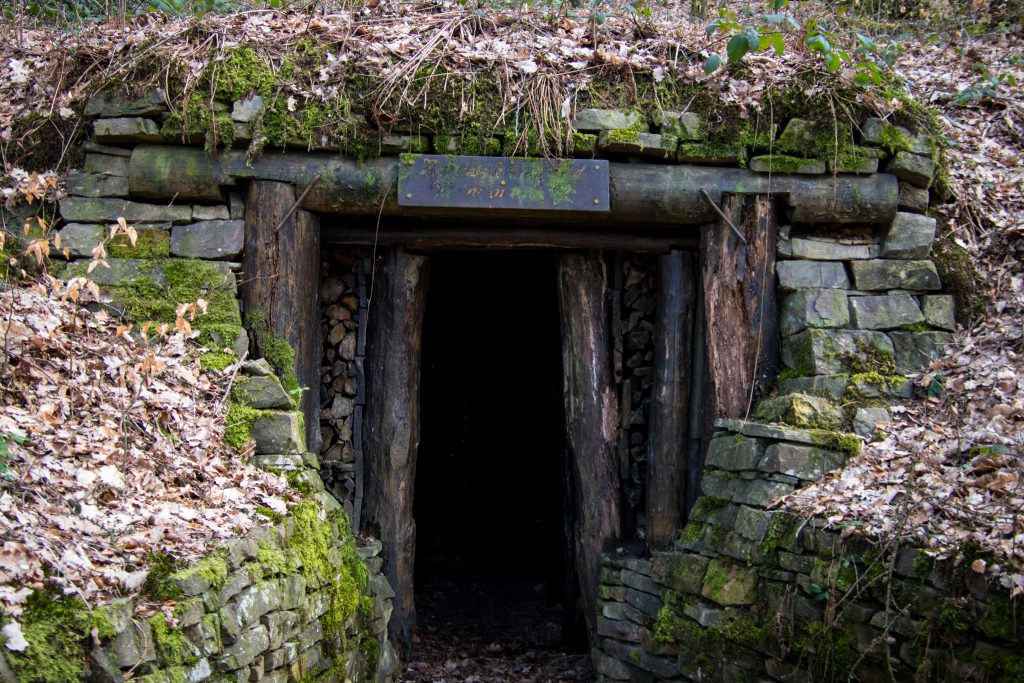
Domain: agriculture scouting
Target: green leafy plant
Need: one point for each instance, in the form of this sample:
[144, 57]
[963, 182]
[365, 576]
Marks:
[5, 453]
[986, 86]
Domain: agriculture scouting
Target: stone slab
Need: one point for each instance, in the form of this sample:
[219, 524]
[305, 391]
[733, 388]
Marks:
[939, 311]
[96, 210]
[106, 164]
[830, 352]
[866, 420]
[633, 143]
[80, 238]
[96, 185]
[777, 163]
[215, 240]
[113, 105]
[830, 250]
[277, 433]
[910, 236]
[126, 131]
[795, 275]
[914, 350]
[804, 462]
[912, 198]
[813, 308]
[596, 120]
[734, 453]
[887, 312]
[916, 170]
[882, 274]
[833, 387]
[710, 154]
[874, 131]
[686, 126]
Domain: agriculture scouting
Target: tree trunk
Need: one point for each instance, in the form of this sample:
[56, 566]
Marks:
[740, 307]
[391, 429]
[591, 415]
[666, 462]
[281, 273]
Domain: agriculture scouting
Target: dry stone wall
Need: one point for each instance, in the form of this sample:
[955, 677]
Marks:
[747, 593]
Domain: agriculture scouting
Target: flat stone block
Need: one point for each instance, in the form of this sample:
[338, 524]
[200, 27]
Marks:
[866, 420]
[686, 126]
[875, 131]
[249, 645]
[95, 210]
[884, 274]
[830, 250]
[595, 120]
[106, 164]
[205, 212]
[760, 492]
[811, 275]
[914, 169]
[827, 352]
[216, 240]
[833, 387]
[95, 185]
[914, 350]
[887, 312]
[729, 583]
[765, 431]
[813, 308]
[80, 238]
[114, 105]
[126, 131]
[651, 145]
[277, 433]
[800, 410]
[910, 236]
[939, 311]
[912, 198]
[710, 155]
[780, 163]
[799, 136]
[854, 161]
[804, 462]
[734, 453]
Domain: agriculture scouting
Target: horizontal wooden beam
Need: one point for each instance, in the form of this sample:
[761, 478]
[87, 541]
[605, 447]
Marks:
[470, 238]
[653, 195]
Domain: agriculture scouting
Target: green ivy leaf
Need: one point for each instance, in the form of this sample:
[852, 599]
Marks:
[753, 39]
[778, 42]
[737, 47]
[713, 64]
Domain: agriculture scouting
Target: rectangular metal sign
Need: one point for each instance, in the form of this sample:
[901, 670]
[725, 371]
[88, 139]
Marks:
[503, 183]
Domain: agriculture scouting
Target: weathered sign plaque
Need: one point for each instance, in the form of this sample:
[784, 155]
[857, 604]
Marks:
[503, 183]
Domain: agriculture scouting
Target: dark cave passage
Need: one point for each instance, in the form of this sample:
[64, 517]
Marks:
[492, 504]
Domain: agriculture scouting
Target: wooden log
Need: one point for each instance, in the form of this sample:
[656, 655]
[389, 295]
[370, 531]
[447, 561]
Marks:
[739, 299]
[391, 423]
[482, 238]
[655, 195]
[280, 277]
[591, 415]
[666, 459]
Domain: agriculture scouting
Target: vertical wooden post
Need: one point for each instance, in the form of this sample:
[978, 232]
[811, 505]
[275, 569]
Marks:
[591, 414]
[280, 281]
[739, 297]
[666, 460]
[391, 429]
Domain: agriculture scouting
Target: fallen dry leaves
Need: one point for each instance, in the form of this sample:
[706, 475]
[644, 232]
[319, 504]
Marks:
[115, 452]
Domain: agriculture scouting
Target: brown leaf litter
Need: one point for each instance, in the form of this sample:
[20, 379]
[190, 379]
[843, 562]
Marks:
[116, 452]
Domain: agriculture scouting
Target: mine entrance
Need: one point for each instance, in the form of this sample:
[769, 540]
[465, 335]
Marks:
[493, 503]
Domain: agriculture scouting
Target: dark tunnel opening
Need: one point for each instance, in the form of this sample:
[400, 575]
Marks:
[492, 503]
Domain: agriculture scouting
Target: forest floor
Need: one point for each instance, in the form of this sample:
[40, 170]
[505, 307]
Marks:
[480, 625]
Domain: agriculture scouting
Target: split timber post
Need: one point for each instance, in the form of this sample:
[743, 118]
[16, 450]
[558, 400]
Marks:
[591, 416]
[391, 431]
[280, 277]
[666, 459]
[741, 314]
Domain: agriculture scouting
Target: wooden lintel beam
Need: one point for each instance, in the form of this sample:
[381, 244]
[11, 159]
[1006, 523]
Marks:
[655, 195]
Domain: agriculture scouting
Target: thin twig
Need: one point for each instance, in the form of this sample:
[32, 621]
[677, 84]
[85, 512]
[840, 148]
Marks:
[704, 193]
[231, 380]
[295, 205]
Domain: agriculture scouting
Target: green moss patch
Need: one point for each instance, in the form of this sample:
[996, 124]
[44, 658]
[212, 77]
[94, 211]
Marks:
[150, 243]
[278, 352]
[57, 628]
